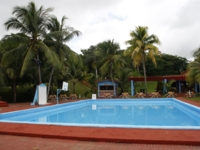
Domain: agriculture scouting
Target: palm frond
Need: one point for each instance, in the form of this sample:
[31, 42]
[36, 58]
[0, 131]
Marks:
[51, 56]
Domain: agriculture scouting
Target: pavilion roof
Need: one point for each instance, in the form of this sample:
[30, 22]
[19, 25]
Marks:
[160, 78]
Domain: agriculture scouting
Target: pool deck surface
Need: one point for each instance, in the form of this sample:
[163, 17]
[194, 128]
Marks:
[28, 136]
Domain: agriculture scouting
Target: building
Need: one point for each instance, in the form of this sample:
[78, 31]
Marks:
[181, 85]
[107, 86]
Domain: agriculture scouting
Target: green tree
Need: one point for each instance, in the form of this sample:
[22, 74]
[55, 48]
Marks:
[56, 39]
[196, 55]
[11, 68]
[193, 74]
[2, 68]
[90, 60]
[122, 78]
[2, 76]
[110, 59]
[32, 24]
[141, 46]
[78, 72]
[166, 65]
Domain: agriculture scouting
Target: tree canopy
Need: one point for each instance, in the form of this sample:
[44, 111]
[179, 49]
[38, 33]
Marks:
[142, 45]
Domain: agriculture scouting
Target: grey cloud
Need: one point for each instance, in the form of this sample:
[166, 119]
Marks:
[175, 22]
[188, 15]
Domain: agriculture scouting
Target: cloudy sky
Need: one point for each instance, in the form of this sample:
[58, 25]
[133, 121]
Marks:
[175, 22]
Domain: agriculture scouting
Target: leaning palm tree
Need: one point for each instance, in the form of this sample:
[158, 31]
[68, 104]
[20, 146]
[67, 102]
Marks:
[60, 34]
[141, 46]
[32, 24]
[57, 37]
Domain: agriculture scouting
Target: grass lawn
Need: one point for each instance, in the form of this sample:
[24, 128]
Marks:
[151, 86]
[196, 99]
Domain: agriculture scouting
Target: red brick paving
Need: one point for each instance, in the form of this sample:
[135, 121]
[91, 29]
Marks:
[8, 142]
[61, 137]
[3, 104]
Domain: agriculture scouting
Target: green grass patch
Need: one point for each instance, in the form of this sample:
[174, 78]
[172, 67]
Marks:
[151, 86]
[80, 90]
[196, 99]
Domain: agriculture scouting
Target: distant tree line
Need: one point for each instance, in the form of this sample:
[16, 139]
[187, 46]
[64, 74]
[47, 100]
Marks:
[167, 65]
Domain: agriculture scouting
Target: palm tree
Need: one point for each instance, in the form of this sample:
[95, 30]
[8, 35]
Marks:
[196, 55]
[193, 74]
[90, 60]
[2, 68]
[168, 86]
[32, 24]
[2, 76]
[142, 45]
[109, 58]
[60, 34]
[77, 72]
[122, 77]
[11, 68]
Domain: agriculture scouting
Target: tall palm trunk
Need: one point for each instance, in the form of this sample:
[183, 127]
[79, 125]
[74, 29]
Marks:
[74, 87]
[138, 70]
[144, 69]
[39, 71]
[14, 91]
[96, 71]
[50, 78]
[111, 76]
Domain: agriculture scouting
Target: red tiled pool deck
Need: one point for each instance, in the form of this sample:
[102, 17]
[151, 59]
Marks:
[14, 136]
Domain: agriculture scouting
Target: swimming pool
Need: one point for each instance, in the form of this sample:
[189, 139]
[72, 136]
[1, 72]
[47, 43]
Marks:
[163, 113]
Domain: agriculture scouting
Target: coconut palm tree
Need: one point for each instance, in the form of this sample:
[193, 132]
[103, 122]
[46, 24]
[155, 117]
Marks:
[109, 58]
[10, 68]
[140, 46]
[32, 24]
[193, 74]
[2, 68]
[2, 76]
[196, 55]
[90, 60]
[57, 37]
[77, 72]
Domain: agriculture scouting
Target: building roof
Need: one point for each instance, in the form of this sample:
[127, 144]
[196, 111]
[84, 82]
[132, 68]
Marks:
[107, 80]
[160, 78]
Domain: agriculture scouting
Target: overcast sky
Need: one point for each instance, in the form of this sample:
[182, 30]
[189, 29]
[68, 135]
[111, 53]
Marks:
[175, 22]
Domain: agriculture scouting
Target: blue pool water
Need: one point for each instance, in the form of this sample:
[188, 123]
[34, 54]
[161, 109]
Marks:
[167, 113]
